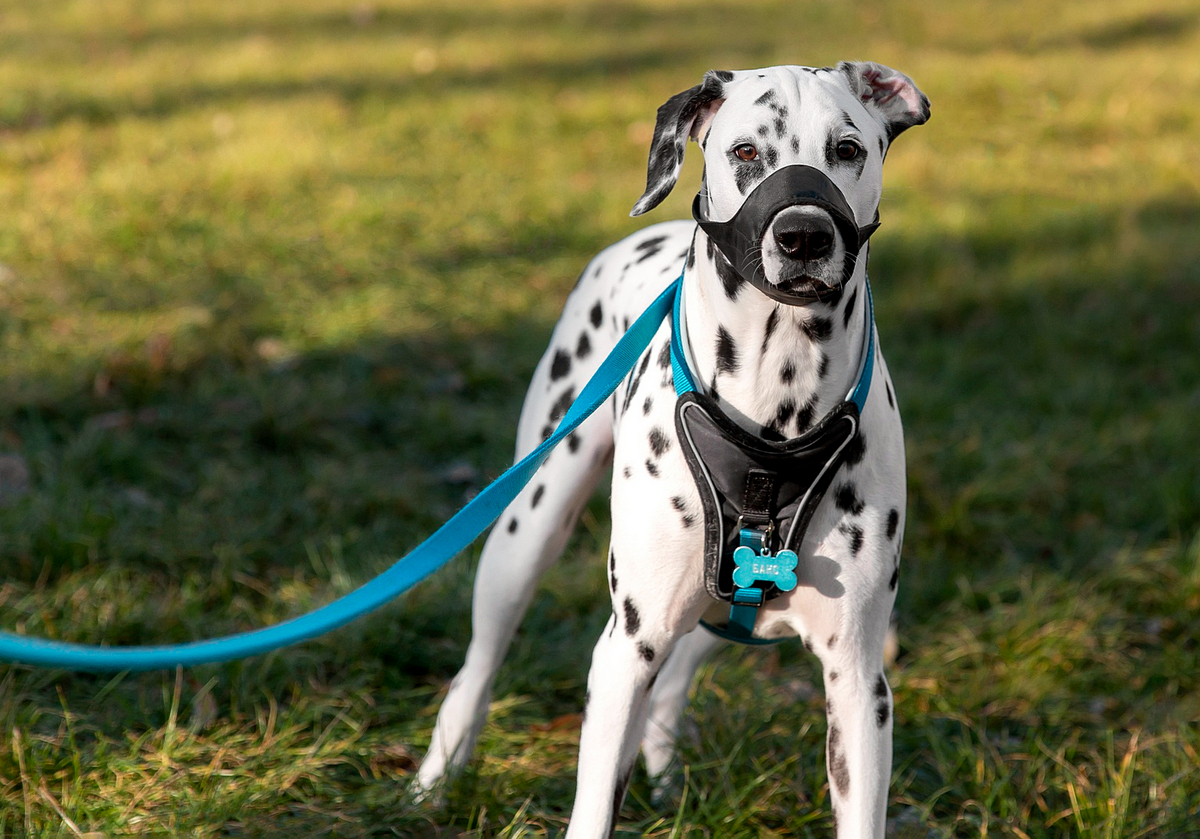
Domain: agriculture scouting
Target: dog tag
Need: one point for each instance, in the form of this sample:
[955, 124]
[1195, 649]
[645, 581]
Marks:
[753, 567]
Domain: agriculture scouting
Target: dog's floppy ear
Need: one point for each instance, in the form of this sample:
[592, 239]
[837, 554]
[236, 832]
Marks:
[682, 116]
[887, 93]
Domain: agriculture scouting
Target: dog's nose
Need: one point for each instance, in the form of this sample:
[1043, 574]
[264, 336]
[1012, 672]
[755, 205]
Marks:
[805, 239]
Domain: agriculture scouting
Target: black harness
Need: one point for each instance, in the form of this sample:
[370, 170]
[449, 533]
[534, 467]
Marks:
[759, 495]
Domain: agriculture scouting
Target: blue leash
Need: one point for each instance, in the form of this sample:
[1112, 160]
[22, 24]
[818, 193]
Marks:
[445, 543]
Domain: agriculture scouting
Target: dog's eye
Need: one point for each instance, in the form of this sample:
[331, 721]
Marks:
[847, 150]
[745, 152]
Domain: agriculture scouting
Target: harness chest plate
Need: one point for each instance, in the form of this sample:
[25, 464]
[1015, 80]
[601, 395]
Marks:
[740, 475]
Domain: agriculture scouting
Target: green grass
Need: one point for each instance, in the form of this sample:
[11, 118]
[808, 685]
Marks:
[269, 270]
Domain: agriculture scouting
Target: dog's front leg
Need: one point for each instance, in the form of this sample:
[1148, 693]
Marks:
[625, 664]
[619, 683]
[858, 748]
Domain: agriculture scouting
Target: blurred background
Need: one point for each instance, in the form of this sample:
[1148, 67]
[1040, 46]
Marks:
[273, 277]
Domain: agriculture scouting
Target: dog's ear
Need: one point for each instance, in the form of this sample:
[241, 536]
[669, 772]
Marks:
[682, 116]
[888, 93]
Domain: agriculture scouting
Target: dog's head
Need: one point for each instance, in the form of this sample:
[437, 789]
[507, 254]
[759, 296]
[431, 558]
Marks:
[753, 124]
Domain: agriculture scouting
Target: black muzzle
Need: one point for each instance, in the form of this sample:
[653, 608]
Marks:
[740, 239]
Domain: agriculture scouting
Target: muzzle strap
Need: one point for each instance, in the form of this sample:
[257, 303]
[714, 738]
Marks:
[740, 239]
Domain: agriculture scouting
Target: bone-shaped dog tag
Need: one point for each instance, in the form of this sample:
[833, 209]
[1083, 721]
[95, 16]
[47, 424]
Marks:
[752, 567]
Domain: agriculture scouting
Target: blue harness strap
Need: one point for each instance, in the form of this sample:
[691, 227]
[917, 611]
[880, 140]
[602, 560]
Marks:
[445, 543]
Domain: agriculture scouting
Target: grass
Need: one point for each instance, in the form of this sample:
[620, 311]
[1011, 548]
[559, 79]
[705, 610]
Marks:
[272, 278]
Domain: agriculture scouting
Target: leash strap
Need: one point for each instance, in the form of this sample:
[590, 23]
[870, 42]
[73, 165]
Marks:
[445, 543]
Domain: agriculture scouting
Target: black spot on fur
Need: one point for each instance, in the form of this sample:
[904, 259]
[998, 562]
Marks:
[833, 639]
[664, 356]
[817, 328]
[573, 442]
[849, 310]
[681, 507]
[727, 360]
[847, 499]
[769, 329]
[833, 675]
[633, 621]
[823, 367]
[560, 366]
[804, 416]
[881, 687]
[891, 399]
[771, 154]
[808, 644]
[646, 651]
[627, 472]
[893, 522]
[855, 449]
[650, 247]
[795, 145]
[537, 495]
[646, 406]
[659, 441]
[855, 534]
[882, 712]
[636, 380]
[731, 281]
[894, 580]
[597, 315]
[748, 174]
[788, 374]
[584, 348]
[691, 255]
[563, 403]
[839, 771]
[512, 525]
[652, 468]
[547, 431]
[783, 416]
[766, 99]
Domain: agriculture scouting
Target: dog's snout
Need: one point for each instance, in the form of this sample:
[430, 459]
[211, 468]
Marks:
[805, 239]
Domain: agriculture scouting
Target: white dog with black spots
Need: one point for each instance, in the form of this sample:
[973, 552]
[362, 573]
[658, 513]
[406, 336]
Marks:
[775, 369]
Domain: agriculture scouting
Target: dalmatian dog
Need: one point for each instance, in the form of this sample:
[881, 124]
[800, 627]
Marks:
[775, 368]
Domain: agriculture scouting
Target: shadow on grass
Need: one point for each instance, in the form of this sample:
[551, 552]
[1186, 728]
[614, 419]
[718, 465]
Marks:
[1047, 375]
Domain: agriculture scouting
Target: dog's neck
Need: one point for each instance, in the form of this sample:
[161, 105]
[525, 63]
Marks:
[774, 369]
